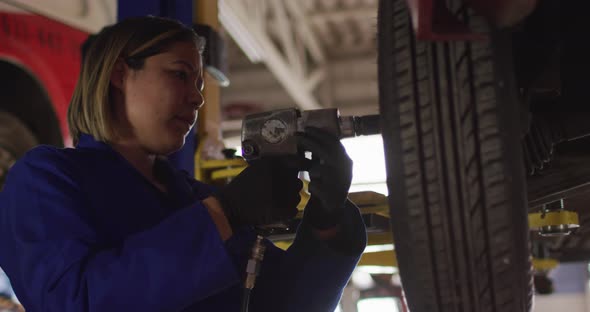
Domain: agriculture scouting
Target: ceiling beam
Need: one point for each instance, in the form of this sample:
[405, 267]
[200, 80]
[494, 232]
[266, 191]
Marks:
[258, 46]
[356, 13]
[304, 30]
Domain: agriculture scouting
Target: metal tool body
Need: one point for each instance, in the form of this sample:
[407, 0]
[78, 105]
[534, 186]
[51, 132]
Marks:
[273, 133]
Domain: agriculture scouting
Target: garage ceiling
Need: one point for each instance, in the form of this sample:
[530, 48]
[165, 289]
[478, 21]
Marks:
[306, 53]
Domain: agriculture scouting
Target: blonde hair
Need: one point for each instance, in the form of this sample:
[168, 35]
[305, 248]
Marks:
[133, 40]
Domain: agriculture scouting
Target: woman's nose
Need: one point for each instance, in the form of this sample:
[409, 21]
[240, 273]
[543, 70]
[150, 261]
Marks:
[196, 97]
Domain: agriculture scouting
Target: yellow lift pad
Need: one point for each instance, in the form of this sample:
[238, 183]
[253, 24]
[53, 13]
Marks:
[553, 218]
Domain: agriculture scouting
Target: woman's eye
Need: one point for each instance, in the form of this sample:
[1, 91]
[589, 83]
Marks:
[181, 75]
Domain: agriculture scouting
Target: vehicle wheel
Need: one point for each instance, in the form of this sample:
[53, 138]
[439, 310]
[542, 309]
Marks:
[15, 140]
[455, 173]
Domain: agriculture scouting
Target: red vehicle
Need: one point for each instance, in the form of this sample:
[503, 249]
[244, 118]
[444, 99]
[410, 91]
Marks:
[39, 63]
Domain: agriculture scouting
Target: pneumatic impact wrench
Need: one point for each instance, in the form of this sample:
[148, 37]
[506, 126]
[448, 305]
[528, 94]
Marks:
[272, 134]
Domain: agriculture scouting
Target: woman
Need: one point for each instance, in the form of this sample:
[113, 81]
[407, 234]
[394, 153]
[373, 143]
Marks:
[110, 226]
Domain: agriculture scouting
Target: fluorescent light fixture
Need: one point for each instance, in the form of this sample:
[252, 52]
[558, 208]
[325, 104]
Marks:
[369, 172]
[376, 269]
[384, 304]
[362, 280]
[238, 30]
[379, 248]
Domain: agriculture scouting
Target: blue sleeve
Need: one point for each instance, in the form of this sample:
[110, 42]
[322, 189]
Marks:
[312, 273]
[56, 263]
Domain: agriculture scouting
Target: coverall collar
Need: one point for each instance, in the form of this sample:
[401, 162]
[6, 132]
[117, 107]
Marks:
[88, 141]
[179, 190]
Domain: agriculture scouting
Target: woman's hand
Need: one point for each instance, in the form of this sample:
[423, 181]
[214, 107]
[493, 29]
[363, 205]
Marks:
[330, 173]
[266, 192]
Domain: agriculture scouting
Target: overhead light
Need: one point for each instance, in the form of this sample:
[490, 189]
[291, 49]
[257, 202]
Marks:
[362, 280]
[376, 269]
[236, 28]
[379, 248]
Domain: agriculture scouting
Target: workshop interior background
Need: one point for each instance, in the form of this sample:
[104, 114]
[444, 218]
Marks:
[308, 54]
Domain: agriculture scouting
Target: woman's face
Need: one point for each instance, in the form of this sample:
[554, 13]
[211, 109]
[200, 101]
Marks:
[157, 105]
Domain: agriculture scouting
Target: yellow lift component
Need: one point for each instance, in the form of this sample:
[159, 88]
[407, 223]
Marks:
[375, 203]
[380, 258]
[553, 218]
[368, 203]
[377, 258]
[215, 170]
[546, 264]
[554, 223]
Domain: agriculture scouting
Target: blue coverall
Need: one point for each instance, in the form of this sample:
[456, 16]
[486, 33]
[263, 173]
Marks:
[82, 230]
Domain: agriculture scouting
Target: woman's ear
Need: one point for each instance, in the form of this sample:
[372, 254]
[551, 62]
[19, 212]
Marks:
[119, 74]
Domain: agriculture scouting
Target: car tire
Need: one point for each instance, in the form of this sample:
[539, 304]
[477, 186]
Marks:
[457, 192]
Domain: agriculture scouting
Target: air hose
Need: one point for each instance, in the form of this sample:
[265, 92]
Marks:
[252, 270]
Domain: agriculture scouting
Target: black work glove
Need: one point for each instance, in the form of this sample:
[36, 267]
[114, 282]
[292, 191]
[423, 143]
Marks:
[266, 192]
[330, 173]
